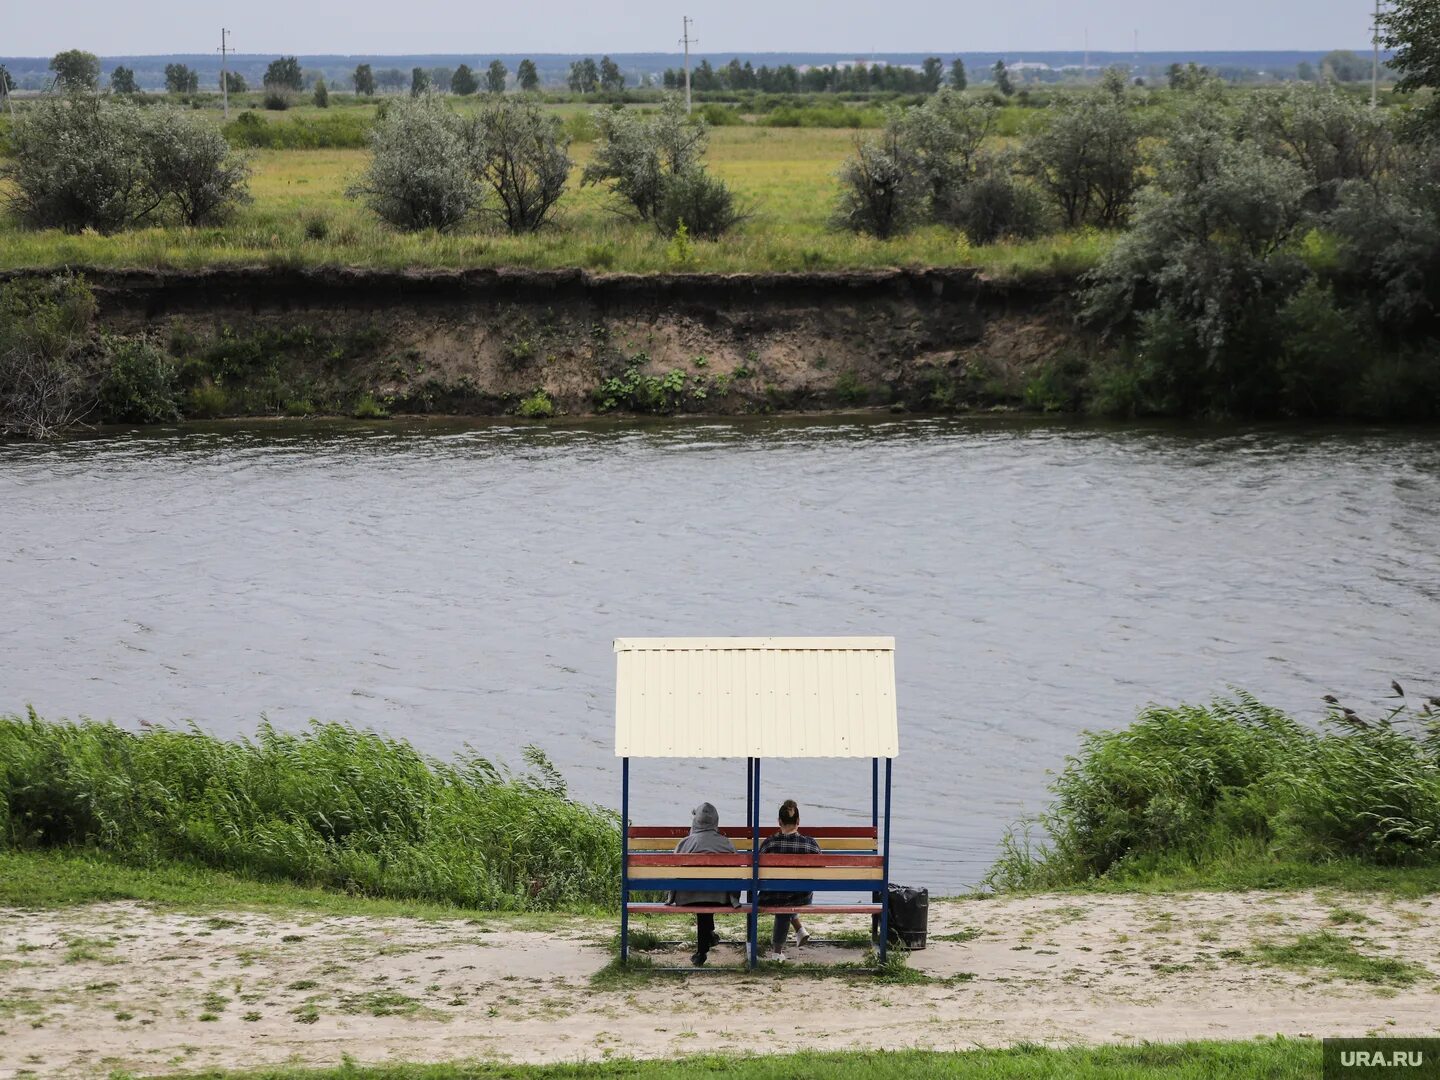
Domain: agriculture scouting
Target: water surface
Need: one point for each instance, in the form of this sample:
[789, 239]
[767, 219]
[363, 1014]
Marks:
[458, 584]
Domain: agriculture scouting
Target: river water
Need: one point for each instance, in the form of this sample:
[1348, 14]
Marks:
[456, 584]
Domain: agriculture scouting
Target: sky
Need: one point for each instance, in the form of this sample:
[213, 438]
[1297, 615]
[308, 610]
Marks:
[736, 26]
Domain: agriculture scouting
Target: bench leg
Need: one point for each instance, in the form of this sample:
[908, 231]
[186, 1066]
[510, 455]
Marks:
[624, 927]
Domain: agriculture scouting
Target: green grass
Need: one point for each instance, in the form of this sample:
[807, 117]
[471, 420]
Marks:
[785, 176]
[329, 806]
[1272, 1059]
[1335, 955]
[1238, 795]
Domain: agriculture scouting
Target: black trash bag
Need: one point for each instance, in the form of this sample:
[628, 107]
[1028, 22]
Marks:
[909, 916]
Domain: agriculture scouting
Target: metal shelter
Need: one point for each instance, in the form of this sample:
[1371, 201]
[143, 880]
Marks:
[757, 698]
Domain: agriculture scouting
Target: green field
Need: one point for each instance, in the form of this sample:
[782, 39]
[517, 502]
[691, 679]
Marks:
[785, 178]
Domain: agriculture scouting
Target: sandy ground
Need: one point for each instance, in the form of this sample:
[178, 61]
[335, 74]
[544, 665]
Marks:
[115, 986]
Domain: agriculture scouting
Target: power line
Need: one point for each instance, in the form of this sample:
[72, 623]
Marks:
[687, 41]
[224, 80]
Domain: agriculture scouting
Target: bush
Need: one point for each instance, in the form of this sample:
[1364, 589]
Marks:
[423, 171]
[881, 190]
[192, 168]
[638, 153]
[943, 137]
[341, 130]
[138, 384]
[45, 331]
[328, 806]
[704, 204]
[1191, 787]
[84, 161]
[1088, 159]
[537, 406]
[321, 96]
[277, 98]
[78, 162]
[523, 160]
[992, 205]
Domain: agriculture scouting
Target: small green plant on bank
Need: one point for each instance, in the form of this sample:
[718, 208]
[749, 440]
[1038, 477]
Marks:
[367, 408]
[637, 392]
[537, 406]
[681, 251]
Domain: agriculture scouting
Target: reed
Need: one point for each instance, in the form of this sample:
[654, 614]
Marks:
[329, 806]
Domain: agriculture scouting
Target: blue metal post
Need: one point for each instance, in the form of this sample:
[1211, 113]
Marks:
[885, 871]
[624, 860]
[749, 788]
[754, 919]
[875, 793]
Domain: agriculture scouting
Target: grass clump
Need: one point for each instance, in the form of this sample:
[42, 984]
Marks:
[1339, 956]
[329, 806]
[1237, 793]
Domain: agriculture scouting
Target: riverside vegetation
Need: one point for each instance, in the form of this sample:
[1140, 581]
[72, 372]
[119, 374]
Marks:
[1230, 795]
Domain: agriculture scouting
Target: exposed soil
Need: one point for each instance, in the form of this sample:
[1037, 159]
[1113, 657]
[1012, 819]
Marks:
[480, 341]
[116, 986]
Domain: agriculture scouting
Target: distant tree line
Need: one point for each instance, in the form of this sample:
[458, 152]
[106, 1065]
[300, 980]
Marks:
[789, 79]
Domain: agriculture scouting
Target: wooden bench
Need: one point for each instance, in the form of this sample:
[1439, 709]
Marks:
[848, 862]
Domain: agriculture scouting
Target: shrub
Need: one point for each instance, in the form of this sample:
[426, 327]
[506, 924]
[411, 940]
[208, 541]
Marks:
[78, 162]
[1328, 133]
[321, 96]
[423, 171]
[943, 137]
[206, 401]
[1088, 159]
[138, 384]
[277, 98]
[637, 153]
[992, 205]
[881, 191]
[523, 159]
[192, 168]
[340, 130]
[327, 806]
[44, 337]
[367, 408]
[702, 202]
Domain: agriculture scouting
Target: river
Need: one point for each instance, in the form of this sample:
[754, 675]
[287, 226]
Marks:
[461, 583]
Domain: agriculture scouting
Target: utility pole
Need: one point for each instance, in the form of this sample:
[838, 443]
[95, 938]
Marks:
[224, 82]
[687, 41]
[1375, 67]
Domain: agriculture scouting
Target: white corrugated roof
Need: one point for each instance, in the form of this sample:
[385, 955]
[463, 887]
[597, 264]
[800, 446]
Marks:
[755, 697]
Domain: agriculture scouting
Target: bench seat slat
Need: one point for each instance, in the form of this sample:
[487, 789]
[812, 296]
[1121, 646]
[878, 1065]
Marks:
[726, 859]
[819, 909]
[742, 843]
[696, 909]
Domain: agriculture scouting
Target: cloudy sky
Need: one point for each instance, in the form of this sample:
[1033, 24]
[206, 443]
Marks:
[858, 26]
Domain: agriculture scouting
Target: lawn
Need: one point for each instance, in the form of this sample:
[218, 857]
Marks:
[785, 177]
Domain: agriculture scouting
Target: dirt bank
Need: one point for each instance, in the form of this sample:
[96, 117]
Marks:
[119, 987]
[262, 341]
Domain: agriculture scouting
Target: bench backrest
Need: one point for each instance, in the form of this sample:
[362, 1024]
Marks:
[840, 838]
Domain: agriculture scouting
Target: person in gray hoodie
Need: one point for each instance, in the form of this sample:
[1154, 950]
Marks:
[705, 838]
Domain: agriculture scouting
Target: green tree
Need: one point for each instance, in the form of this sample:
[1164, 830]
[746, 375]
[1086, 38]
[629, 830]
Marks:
[464, 83]
[1342, 65]
[611, 78]
[122, 81]
[285, 74]
[527, 76]
[584, 77]
[958, 78]
[932, 71]
[1331, 135]
[235, 83]
[419, 81]
[882, 192]
[180, 79]
[495, 76]
[523, 160]
[364, 80]
[76, 69]
[321, 96]
[1305, 71]
[1412, 29]
[1088, 158]
[1002, 79]
[422, 172]
[637, 154]
[190, 169]
[7, 82]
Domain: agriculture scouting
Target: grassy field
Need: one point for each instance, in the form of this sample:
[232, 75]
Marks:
[784, 176]
[1273, 1059]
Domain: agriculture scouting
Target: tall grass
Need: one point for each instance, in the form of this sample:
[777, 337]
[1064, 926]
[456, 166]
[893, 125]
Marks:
[329, 806]
[1198, 789]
